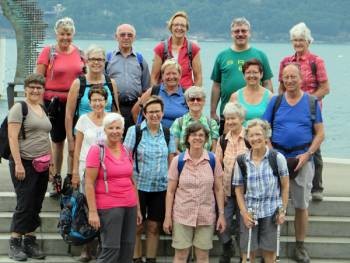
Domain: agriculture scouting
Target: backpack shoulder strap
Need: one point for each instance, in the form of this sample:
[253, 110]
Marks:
[181, 163]
[155, 90]
[82, 87]
[139, 58]
[138, 137]
[110, 87]
[243, 167]
[275, 108]
[272, 158]
[223, 143]
[180, 122]
[24, 107]
[312, 105]
[166, 132]
[109, 56]
[52, 53]
[166, 53]
[102, 154]
[189, 52]
[212, 161]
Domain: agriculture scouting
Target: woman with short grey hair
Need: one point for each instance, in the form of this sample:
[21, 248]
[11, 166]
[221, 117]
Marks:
[195, 99]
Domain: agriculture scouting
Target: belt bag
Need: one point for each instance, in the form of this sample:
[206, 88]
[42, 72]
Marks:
[42, 163]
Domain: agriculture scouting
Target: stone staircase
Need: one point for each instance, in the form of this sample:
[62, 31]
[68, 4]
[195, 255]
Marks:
[328, 235]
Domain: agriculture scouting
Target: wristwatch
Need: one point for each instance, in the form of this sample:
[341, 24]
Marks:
[282, 210]
[310, 152]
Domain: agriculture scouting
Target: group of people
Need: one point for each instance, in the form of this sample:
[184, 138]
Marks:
[147, 157]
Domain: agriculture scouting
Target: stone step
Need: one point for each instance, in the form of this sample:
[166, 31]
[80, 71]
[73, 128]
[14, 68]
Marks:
[330, 206]
[318, 247]
[318, 225]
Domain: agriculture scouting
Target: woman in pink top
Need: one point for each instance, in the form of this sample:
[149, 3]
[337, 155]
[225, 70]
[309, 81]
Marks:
[111, 194]
[60, 64]
[190, 201]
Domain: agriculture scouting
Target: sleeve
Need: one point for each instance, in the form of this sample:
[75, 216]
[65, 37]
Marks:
[282, 165]
[43, 57]
[321, 70]
[214, 129]
[195, 49]
[237, 175]
[175, 129]
[129, 140]
[266, 66]
[159, 49]
[80, 125]
[267, 116]
[93, 157]
[146, 77]
[218, 168]
[173, 173]
[172, 146]
[15, 114]
[216, 73]
[319, 118]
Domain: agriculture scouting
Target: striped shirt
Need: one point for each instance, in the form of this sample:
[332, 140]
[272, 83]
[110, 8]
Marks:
[234, 147]
[262, 194]
[152, 156]
[194, 202]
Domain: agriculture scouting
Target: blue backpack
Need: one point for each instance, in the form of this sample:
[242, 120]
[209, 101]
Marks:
[110, 54]
[73, 223]
[181, 162]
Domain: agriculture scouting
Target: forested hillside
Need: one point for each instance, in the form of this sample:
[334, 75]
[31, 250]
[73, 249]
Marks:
[210, 19]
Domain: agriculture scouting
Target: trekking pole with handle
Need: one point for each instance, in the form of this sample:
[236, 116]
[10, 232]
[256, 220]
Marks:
[278, 243]
[250, 234]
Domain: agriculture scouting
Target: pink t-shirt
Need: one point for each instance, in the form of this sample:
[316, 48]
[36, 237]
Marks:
[121, 190]
[61, 71]
[186, 78]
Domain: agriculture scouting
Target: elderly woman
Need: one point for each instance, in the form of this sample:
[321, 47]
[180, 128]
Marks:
[170, 92]
[152, 155]
[60, 64]
[195, 182]
[195, 99]
[78, 102]
[184, 51]
[253, 97]
[112, 195]
[29, 141]
[315, 82]
[262, 195]
[228, 147]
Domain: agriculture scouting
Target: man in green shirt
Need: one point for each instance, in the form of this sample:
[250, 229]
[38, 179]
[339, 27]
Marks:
[227, 73]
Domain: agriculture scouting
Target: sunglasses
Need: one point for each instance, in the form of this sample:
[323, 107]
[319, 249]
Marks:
[126, 34]
[195, 99]
[237, 31]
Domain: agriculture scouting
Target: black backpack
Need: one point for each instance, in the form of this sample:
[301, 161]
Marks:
[4, 140]
[73, 224]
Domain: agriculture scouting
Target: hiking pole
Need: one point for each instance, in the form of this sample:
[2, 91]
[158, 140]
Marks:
[250, 235]
[278, 243]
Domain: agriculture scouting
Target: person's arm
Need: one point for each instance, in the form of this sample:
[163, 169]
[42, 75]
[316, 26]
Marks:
[139, 214]
[116, 95]
[146, 77]
[219, 195]
[79, 137]
[13, 132]
[233, 97]
[322, 90]
[90, 178]
[70, 111]
[214, 100]
[155, 73]
[136, 108]
[41, 69]
[268, 84]
[315, 145]
[169, 202]
[197, 70]
[281, 216]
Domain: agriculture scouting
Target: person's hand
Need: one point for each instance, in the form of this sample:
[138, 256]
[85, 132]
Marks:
[94, 220]
[75, 180]
[168, 225]
[302, 159]
[221, 224]
[20, 173]
[71, 143]
[280, 218]
[215, 117]
[248, 220]
[139, 217]
[52, 171]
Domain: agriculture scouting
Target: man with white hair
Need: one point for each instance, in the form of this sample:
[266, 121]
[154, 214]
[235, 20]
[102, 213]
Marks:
[227, 72]
[314, 82]
[129, 70]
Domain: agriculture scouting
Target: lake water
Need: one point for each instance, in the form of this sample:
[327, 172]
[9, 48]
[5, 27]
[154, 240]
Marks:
[336, 110]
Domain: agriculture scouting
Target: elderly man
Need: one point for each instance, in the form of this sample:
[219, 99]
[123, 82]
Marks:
[129, 70]
[315, 82]
[227, 72]
[297, 132]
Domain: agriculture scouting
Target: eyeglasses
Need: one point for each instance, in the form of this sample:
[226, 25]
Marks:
[179, 25]
[298, 40]
[254, 73]
[153, 112]
[195, 99]
[292, 77]
[243, 31]
[35, 87]
[126, 34]
[97, 100]
[99, 60]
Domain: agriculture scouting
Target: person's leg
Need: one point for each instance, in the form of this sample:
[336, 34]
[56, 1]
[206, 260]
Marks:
[317, 188]
[269, 256]
[244, 240]
[138, 243]
[182, 241]
[128, 235]
[152, 239]
[181, 255]
[202, 256]
[126, 113]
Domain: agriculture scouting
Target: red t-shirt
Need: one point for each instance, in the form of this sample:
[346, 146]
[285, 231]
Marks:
[183, 59]
[61, 71]
[121, 190]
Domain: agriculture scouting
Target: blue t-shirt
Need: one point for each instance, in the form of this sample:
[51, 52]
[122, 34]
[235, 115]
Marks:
[174, 105]
[292, 125]
[84, 106]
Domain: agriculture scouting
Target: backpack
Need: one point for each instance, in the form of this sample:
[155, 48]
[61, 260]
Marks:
[138, 137]
[4, 140]
[181, 162]
[110, 54]
[312, 107]
[73, 224]
[167, 55]
[272, 158]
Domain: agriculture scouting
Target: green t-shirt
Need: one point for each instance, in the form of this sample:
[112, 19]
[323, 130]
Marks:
[228, 71]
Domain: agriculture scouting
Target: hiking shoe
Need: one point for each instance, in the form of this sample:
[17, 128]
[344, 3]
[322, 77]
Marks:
[301, 255]
[317, 196]
[137, 260]
[227, 252]
[16, 250]
[151, 260]
[31, 248]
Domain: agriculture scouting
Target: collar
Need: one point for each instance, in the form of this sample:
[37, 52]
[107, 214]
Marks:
[144, 126]
[205, 156]
[229, 137]
[302, 58]
[117, 51]
[249, 154]
[184, 44]
[179, 91]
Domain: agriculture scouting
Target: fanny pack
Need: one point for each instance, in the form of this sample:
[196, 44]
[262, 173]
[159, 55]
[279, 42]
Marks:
[292, 162]
[42, 163]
